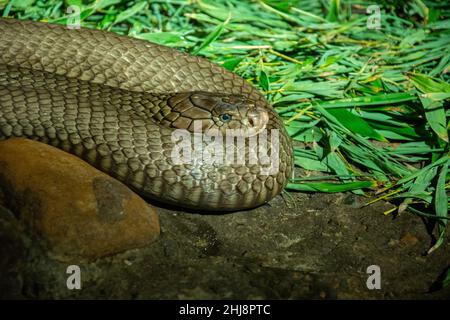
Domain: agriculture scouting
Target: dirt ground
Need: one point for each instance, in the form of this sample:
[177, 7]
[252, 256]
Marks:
[309, 246]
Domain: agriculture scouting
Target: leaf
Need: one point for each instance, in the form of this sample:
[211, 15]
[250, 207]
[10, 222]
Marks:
[212, 36]
[124, 15]
[381, 99]
[439, 241]
[422, 9]
[395, 133]
[441, 199]
[88, 11]
[22, 4]
[264, 81]
[441, 205]
[334, 162]
[417, 189]
[105, 3]
[243, 13]
[435, 114]
[231, 64]
[310, 164]
[355, 124]
[415, 174]
[410, 39]
[331, 89]
[427, 84]
[437, 96]
[333, 11]
[330, 187]
[164, 38]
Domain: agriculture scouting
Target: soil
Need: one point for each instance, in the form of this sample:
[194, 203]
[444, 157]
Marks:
[301, 246]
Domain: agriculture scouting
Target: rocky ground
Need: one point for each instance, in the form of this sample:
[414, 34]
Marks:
[303, 246]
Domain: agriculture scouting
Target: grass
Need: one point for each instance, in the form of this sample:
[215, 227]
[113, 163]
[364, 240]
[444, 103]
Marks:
[366, 104]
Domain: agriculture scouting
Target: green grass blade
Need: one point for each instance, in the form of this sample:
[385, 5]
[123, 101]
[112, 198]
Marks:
[355, 124]
[124, 15]
[330, 187]
[213, 36]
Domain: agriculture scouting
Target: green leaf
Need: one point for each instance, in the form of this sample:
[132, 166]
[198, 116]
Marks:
[310, 164]
[435, 114]
[331, 89]
[381, 99]
[264, 81]
[333, 11]
[441, 205]
[355, 124]
[437, 96]
[416, 173]
[441, 199]
[164, 38]
[417, 190]
[212, 36]
[22, 4]
[124, 15]
[231, 64]
[427, 84]
[330, 187]
[334, 162]
[105, 3]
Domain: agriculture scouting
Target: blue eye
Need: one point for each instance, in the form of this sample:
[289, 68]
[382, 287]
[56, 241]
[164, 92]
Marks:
[225, 117]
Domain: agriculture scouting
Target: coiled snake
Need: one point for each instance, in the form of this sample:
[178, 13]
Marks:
[116, 102]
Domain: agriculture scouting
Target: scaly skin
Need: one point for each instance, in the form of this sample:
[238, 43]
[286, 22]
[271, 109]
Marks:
[115, 102]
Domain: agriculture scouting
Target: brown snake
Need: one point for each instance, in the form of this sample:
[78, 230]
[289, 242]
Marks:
[116, 102]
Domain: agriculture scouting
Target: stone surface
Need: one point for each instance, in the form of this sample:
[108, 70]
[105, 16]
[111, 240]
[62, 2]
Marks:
[78, 210]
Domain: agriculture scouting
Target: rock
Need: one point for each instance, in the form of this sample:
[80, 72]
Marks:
[77, 210]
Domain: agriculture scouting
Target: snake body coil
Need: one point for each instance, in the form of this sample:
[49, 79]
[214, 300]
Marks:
[116, 102]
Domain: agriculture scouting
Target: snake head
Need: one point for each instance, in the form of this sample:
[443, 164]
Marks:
[217, 112]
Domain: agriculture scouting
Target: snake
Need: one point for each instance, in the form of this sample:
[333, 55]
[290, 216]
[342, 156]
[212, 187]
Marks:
[153, 117]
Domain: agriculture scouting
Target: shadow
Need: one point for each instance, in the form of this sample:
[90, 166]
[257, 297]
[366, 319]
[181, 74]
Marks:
[177, 208]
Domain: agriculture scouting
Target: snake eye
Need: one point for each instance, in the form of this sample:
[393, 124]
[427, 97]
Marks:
[225, 117]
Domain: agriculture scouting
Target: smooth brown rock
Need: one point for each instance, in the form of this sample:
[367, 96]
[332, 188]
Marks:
[77, 209]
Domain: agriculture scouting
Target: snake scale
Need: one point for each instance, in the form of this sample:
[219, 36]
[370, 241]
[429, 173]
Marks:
[116, 102]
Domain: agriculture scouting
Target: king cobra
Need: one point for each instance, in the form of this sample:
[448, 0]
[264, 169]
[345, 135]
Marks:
[117, 102]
